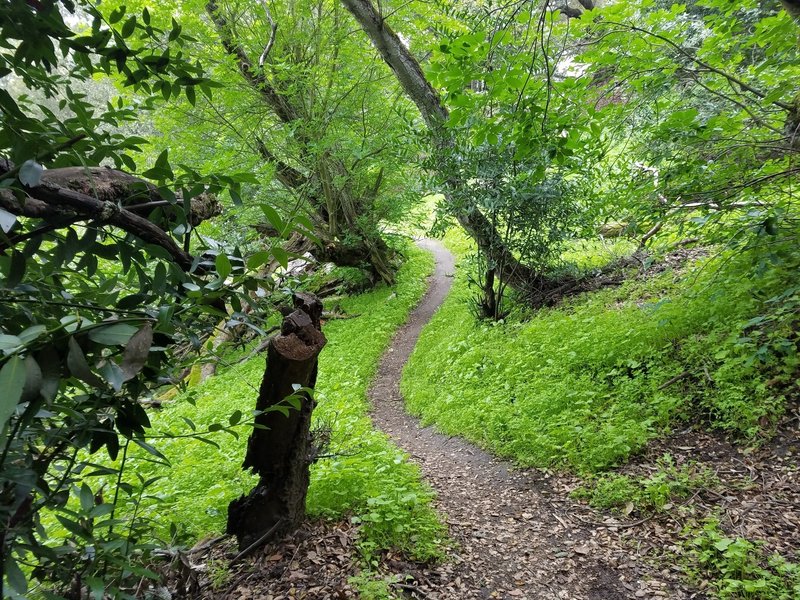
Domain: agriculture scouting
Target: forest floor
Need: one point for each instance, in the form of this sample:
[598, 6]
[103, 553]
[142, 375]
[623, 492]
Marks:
[518, 533]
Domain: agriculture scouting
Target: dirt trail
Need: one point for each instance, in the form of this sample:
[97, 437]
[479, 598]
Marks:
[517, 536]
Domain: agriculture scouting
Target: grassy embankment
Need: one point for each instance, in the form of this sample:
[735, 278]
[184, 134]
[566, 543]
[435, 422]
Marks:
[584, 385]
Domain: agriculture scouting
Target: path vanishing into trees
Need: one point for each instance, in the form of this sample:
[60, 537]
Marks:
[517, 534]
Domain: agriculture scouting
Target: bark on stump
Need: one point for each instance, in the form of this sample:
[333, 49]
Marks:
[280, 450]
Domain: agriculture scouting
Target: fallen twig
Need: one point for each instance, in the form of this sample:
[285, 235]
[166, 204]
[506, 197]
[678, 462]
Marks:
[620, 525]
[675, 379]
[257, 544]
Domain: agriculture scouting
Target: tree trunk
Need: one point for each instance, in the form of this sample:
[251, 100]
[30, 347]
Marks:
[418, 88]
[489, 304]
[334, 203]
[280, 449]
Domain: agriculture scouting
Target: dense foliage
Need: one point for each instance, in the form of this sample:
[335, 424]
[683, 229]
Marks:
[586, 384]
[106, 296]
[161, 167]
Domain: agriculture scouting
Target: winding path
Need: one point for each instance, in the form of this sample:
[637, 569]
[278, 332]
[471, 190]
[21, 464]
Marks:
[515, 534]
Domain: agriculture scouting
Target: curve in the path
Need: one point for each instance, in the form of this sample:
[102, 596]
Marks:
[514, 536]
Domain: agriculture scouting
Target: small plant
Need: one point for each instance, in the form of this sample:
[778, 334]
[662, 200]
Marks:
[738, 569]
[608, 491]
[646, 494]
[218, 573]
[373, 586]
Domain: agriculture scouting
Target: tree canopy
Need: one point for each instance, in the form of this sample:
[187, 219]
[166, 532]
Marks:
[167, 171]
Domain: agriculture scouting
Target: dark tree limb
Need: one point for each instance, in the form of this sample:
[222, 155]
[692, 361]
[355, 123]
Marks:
[134, 194]
[55, 204]
[280, 449]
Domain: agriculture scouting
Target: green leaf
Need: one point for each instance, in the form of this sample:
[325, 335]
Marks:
[74, 528]
[33, 380]
[117, 334]
[31, 333]
[257, 259]
[87, 498]
[176, 30]
[162, 162]
[17, 270]
[12, 382]
[207, 441]
[235, 418]
[113, 375]
[116, 15]
[77, 365]
[223, 265]
[273, 217]
[128, 27]
[16, 578]
[150, 449]
[723, 544]
[281, 256]
[9, 343]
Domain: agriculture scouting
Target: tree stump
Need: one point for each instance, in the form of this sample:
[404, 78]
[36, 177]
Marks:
[280, 448]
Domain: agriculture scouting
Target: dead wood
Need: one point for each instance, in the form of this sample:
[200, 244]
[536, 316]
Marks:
[280, 448]
[72, 194]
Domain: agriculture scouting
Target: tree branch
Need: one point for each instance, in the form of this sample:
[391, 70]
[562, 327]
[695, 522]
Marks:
[678, 48]
[259, 81]
[54, 204]
[273, 30]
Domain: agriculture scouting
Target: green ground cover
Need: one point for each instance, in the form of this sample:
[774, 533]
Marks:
[368, 479]
[583, 385]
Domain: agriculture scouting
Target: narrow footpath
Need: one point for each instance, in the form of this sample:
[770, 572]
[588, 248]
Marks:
[517, 535]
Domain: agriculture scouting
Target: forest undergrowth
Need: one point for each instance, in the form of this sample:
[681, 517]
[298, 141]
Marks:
[584, 385]
[363, 476]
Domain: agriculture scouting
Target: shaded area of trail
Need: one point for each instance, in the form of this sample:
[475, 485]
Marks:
[517, 536]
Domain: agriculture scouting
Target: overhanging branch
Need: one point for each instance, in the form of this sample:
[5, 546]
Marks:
[61, 206]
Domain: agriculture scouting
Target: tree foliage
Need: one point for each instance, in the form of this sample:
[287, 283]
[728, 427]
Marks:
[108, 291]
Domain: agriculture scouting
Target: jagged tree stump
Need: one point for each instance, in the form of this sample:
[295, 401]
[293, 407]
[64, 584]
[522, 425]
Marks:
[280, 449]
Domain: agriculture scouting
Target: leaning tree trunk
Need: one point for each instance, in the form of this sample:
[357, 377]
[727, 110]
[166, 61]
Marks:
[332, 202]
[280, 448]
[422, 93]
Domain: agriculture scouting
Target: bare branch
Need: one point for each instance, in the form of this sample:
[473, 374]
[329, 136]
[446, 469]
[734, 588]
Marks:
[273, 30]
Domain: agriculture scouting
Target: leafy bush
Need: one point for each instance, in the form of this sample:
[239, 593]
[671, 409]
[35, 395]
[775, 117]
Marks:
[653, 493]
[737, 569]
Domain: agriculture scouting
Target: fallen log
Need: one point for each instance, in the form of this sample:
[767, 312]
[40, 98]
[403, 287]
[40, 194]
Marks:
[73, 194]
